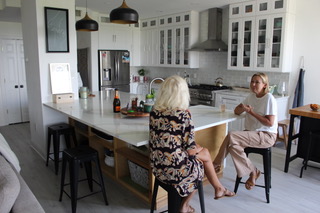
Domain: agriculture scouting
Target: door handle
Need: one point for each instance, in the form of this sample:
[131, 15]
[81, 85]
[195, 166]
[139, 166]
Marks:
[16, 86]
[21, 86]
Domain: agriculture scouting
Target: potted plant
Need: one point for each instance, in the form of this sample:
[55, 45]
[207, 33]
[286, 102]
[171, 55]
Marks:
[141, 73]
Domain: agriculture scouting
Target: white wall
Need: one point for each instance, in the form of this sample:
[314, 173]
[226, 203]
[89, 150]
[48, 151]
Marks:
[37, 65]
[307, 45]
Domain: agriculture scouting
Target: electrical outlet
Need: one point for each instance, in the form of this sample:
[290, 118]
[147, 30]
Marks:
[249, 79]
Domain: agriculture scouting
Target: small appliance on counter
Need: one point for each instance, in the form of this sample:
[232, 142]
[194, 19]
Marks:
[114, 70]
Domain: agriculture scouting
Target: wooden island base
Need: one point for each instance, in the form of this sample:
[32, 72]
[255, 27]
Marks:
[210, 138]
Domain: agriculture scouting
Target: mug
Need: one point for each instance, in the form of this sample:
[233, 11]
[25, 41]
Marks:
[148, 107]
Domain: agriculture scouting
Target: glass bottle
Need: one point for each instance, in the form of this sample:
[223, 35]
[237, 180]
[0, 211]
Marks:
[116, 102]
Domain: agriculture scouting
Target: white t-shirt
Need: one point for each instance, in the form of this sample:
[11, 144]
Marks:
[266, 105]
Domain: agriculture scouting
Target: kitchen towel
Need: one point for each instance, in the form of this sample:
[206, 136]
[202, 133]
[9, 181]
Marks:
[299, 92]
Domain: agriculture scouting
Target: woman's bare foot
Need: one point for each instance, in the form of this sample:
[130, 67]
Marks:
[251, 182]
[223, 193]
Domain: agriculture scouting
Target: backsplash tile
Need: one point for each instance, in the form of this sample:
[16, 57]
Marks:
[213, 65]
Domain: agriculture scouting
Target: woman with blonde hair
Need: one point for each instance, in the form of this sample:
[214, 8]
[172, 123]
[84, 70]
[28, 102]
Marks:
[175, 157]
[260, 129]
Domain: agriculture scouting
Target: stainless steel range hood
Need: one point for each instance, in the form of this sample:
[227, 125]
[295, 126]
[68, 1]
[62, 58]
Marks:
[214, 42]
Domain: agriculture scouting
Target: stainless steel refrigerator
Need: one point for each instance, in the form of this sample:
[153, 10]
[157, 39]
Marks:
[114, 70]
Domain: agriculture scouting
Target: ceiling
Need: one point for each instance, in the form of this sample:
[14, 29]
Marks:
[145, 8]
[154, 8]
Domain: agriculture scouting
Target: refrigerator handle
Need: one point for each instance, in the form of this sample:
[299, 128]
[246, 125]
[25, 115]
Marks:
[117, 65]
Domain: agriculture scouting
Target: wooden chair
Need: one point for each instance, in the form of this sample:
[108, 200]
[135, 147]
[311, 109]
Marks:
[284, 125]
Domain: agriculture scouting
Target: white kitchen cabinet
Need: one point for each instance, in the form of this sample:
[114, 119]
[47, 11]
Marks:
[241, 43]
[174, 43]
[261, 7]
[149, 47]
[240, 10]
[116, 37]
[263, 41]
[135, 53]
[264, 7]
[175, 35]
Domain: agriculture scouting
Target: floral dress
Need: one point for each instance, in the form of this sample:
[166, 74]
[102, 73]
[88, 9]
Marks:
[171, 135]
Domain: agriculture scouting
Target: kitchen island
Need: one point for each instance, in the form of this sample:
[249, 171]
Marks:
[127, 137]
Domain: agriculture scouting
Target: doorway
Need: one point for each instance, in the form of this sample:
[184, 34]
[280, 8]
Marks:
[13, 82]
[83, 66]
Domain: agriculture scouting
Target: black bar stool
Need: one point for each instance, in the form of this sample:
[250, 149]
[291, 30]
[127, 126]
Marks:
[56, 131]
[266, 153]
[76, 156]
[174, 199]
[310, 146]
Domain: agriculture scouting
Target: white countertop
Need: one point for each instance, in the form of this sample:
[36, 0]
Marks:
[97, 112]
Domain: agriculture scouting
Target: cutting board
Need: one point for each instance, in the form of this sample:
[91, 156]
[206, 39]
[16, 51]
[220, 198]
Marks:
[134, 114]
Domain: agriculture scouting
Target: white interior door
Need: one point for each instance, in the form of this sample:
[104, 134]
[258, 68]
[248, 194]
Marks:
[22, 82]
[14, 81]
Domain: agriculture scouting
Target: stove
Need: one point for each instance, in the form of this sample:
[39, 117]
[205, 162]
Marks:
[204, 94]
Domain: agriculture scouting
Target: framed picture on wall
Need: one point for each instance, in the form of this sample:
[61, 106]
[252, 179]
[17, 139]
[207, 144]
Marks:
[57, 31]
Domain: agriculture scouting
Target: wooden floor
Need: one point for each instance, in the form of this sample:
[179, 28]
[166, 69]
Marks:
[289, 193]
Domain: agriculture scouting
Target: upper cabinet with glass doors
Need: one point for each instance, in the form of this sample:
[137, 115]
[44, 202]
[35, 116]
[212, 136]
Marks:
[175, 34]
[261, 35]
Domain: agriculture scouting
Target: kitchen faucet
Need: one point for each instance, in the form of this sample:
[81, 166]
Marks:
[151, 82]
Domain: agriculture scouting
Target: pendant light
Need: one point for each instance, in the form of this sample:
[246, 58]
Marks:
[124, 15]
[87, 24]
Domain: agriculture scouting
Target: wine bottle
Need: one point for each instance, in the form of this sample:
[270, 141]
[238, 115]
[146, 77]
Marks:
[116, 102]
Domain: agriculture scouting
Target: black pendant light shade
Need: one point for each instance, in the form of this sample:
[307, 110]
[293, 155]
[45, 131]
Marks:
[87, 24]
[124, 15]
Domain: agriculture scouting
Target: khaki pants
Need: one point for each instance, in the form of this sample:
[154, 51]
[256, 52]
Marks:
[235, 143]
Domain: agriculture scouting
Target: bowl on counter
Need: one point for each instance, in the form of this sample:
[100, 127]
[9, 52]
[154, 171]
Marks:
[314, 107]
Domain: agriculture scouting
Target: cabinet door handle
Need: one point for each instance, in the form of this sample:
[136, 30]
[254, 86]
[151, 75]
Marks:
[21, 86]
[16, 86]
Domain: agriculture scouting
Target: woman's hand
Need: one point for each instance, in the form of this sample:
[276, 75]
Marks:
[242, 108]
[267, 120]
